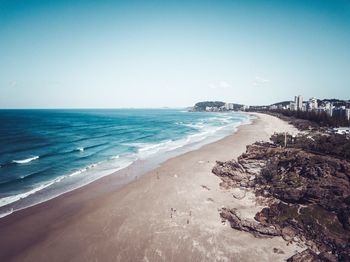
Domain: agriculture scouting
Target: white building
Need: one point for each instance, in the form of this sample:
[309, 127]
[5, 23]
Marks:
[329, 108]
[292, 106]
[313, 105]
[297, 104]
[245, 107]
[347, 113]
[229, 106]
[298, 100]
[326, 107]
[304, 107]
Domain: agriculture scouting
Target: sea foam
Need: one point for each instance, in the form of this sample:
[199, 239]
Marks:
[27, 160]
[117, 143]
[10, 199]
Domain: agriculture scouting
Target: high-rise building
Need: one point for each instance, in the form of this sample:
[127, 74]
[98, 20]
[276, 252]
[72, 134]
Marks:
[339, 112]
[298, 100]
[328, 108]
[347, 113]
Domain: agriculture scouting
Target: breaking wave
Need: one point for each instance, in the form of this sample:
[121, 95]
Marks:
[27, 160]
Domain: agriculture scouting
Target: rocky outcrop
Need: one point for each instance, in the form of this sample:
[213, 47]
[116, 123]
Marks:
[311, 193]
[306, 256]
[231, 173]
[253, 227]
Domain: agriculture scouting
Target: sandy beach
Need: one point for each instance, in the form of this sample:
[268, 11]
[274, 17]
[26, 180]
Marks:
[168, 214]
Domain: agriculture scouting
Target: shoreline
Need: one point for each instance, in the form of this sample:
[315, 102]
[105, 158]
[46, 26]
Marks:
[139, 166]
[176, 201]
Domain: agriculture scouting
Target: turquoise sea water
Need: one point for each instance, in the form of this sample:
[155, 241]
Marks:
[46, 152]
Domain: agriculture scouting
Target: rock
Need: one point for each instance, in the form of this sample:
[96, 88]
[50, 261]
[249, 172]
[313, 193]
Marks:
[296, 239]
[252, 178]
[309, 192]
[327, 257]
[278, 251]
[288, 233]
[305, 256]
[230, 169]
[243, 184]
[253, 227]
[238, 193]
[311, 245]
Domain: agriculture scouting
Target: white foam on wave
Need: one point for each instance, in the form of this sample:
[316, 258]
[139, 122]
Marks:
[148, 149]
[196, 126]
[80, 171]
[156, 147]
[199, 125]
[6, 213]
[10, 199]
[81, 149]
[117, 162]
[27, 160]
[100, 172]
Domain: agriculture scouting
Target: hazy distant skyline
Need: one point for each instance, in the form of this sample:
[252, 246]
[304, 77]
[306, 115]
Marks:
[110, 54]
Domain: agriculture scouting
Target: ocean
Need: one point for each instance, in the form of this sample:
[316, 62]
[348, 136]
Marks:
[44, 153]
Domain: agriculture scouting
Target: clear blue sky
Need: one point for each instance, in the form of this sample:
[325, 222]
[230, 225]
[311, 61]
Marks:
[171, 53]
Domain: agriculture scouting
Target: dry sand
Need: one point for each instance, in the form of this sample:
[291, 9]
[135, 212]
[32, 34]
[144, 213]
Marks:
[169, 214]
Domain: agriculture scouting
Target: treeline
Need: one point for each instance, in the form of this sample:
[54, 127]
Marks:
[203, 105]
[333, 144]
[321, 118]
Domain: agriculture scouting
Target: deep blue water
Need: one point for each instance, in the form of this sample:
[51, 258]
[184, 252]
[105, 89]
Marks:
[46, 149]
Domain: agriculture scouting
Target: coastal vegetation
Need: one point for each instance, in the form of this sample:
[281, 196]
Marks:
[322, 119]
[306, 186]
[321, 113]
[203, 105]
[323, 144]
[215, 106]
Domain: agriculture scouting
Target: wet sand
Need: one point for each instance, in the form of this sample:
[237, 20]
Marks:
[168, 214]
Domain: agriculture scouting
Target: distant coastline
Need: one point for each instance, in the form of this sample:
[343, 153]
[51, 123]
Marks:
[216, 106]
